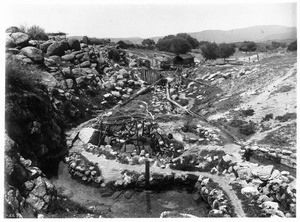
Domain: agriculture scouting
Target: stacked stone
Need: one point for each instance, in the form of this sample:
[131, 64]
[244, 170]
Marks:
[283, 156]
[215, 197]
[83, 170]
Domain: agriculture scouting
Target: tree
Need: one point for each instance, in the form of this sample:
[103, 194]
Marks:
[173, 44]
[210, 51]
[247, 46]
[192, 41]
[149, 43]
[226, 50]
[292, 46]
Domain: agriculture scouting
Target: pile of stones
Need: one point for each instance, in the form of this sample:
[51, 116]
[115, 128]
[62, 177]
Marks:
[83, 170]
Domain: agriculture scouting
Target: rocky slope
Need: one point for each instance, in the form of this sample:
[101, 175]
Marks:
[50, 86]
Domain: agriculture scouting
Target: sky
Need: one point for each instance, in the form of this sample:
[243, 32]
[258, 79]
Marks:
[155, 18]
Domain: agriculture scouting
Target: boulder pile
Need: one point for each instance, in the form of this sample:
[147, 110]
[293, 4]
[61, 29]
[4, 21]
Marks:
[83, 170]
[273, 191]
[25, 184]
[81, 77]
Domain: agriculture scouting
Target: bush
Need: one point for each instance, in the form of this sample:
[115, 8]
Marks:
[237, 122]
[19, 76]
[248, 112]
[292, 46]
[267, 117]
[247, 129]
[286, 117]
[35, 32]
[148, 43]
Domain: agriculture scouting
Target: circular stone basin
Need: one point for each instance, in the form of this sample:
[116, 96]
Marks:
[128, 203]
[152, 204]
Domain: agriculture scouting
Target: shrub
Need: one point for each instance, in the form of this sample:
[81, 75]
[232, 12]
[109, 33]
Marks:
[149, 43]
[248, 112]
[286, 117]
[247, 129]
[292, 46]
[267, 117]
[188, 125]
[19, 76]
[237, 122]
[35, 32]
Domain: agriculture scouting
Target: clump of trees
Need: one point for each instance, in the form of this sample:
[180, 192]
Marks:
[148, 43]
[211, 51]
[276, 45]
[248, 46]
[35, 32]
[181, 43]
[292, 46]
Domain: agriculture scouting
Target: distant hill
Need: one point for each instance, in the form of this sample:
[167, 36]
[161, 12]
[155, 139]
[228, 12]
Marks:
[134, 40]
[261, 33]
[255, 33]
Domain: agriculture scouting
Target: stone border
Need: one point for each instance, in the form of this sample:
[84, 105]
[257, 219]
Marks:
[204, 188]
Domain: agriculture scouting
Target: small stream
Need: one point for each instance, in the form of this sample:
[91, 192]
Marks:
[127, 203]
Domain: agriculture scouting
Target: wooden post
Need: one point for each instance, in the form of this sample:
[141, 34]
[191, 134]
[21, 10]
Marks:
[147, 174]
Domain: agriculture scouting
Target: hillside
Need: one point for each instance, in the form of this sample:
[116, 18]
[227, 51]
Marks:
[254, 33]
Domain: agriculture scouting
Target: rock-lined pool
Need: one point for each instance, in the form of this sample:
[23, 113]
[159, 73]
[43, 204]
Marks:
[127, 203]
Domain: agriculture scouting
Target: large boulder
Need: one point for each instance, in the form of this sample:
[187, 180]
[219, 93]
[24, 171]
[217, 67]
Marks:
[20, 38]
[9, 42]
[65, 44]
[263, 172]
[74, 44]
[56, 48]
[12, 29]
[49, 79]
[44, 46]
[33, 53]
[68, 57]
[86, 134]
[250, 191]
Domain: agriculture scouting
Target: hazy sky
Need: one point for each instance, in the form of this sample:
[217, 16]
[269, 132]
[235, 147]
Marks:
[147, 20]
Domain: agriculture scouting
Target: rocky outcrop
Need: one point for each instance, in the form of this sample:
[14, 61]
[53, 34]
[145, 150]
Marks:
[33, 53]
[56, 48]
[25, 183]
[20, 38]
[74, 44]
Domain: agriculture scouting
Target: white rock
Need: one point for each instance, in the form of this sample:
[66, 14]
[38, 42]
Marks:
[270, 205]
[250, 191]
[85, 134]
